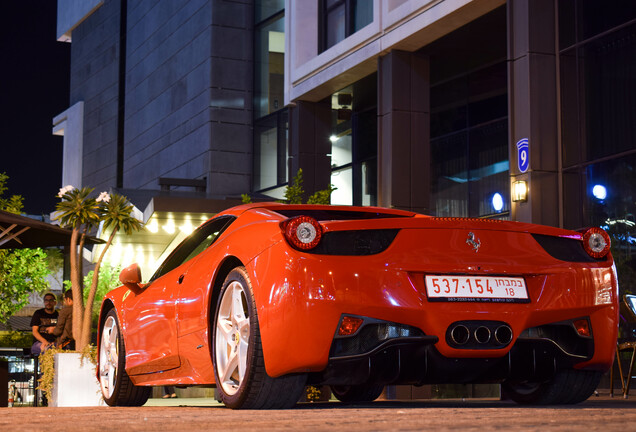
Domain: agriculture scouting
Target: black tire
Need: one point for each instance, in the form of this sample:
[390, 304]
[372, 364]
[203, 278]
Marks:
[566, 388]
[357, 393]
[117, 388]
[236, 342]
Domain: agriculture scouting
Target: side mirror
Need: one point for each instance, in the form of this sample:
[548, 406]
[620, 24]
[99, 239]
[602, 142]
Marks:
[131, 276]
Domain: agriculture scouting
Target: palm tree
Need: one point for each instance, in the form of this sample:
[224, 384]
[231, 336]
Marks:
[116, 214]
[80, 212]
[77, 211]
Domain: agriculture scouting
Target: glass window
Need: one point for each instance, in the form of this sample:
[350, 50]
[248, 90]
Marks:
[335, 29]
[362, 14]
[449, 171]
[489, 169]
[270, 151]
[266, 153]
[470, 172]
[270, 115]
[264, 9]
[469, 120]
[369, 182]
[469, 145]
[597, 16]
[341, 149]
[194, 244]
[342, 179]
[269, 53]
[342, 18]
[598, 123]
[609, 85]
[567, 32]
[354, 143]
[597, 97]
[580, 20]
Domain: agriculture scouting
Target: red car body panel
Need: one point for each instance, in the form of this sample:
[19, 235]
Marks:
[302, 296]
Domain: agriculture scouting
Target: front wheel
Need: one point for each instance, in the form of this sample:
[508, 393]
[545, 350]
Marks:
[117, 388]
[565, 388]
[357, 393]
[239, 367]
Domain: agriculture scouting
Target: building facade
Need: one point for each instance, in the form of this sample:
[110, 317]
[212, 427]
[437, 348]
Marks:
[519, 109]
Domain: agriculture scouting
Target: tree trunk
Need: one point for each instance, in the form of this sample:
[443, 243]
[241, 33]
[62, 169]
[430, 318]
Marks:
[80, 262]
[83, 338]
[88, 309]
[78, 309]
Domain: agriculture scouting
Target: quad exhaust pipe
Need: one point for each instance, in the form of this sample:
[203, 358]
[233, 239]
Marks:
[503, 334]
[460, 334]
[479, 335]
[482, 334]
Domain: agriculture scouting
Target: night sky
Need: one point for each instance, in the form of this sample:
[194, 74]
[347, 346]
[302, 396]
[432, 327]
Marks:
[34, 89]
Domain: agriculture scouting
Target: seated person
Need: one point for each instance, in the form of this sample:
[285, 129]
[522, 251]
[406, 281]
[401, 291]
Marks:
[43, 319]
[64, 327]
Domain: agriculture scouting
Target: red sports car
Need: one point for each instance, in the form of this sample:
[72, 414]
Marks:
[264, 299]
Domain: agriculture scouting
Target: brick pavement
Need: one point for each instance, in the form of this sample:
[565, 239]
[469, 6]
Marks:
[598, 413]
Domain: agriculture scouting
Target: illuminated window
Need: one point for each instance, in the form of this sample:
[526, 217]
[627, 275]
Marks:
[354, 143]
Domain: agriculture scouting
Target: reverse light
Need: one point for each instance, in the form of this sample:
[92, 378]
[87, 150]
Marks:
[302, 232]
[596, 242]
[582, 327]
[349, 325]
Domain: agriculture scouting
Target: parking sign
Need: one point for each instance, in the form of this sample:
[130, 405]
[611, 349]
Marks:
[523, 154]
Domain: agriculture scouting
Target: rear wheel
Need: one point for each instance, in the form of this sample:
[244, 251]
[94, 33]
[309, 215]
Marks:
[117, 388]
[239, 367]
[567, 387]
[357, 393]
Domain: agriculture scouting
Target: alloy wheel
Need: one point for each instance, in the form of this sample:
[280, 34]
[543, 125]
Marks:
[109, 357]
[232, 338]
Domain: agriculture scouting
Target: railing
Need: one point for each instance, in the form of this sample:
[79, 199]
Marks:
[23, 376]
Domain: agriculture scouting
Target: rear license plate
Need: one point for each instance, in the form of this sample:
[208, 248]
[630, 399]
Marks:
[459, 288]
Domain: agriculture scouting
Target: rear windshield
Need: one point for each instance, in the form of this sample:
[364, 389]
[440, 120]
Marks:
[325, 215]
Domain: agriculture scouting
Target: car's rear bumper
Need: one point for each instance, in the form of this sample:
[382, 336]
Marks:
[417, 361]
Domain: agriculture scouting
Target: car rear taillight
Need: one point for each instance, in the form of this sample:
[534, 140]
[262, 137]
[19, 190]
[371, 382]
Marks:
[302, 232]
[596, 242]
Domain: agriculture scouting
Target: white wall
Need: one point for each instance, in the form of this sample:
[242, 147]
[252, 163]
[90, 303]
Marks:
[397, 24]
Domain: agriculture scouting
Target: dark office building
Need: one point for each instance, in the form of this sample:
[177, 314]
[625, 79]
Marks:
[520, 110]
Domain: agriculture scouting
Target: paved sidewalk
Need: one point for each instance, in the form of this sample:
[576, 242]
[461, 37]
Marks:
[597, 414]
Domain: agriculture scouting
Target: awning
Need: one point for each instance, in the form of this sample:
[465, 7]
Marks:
[17, 323]
[19, 232]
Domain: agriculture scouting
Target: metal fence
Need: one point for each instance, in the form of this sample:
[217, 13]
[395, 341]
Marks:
[23, 377]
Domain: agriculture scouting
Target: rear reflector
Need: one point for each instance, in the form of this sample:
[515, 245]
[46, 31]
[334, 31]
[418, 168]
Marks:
[582, 327]
[349, 325]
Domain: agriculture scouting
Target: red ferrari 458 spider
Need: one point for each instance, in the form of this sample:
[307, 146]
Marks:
[264, 299]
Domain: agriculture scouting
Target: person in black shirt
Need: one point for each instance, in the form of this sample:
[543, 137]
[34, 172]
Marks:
[43, 318]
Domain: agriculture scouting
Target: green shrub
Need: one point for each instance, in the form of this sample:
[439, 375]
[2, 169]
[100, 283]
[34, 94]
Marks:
[16, 339]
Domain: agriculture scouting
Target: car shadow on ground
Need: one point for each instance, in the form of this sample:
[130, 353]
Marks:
[602, 401]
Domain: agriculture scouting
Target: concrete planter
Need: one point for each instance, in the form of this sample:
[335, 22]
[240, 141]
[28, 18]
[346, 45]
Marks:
[74, 383]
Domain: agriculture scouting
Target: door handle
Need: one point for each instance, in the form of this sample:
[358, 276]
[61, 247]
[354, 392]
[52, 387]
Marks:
[181, 278]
